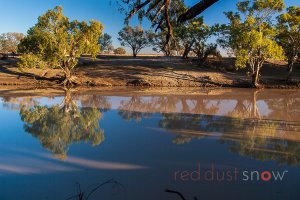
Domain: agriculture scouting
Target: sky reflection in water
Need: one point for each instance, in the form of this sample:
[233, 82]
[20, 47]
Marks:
[47, 144]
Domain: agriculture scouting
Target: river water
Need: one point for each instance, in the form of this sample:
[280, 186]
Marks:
[127, 144]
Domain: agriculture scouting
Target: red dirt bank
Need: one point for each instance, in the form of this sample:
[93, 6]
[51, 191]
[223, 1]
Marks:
[149, 72]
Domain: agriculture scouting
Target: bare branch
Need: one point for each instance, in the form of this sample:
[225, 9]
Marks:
[175, 192]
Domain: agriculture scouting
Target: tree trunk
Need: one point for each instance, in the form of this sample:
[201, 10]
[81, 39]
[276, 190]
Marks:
[167, 50]
[255, 111]
[187, 50]
[167, 53]
[255, 78]
[202, 60]
[70, 106]
[67, 100]
[70, 79]
[290, 70]
[134, 52]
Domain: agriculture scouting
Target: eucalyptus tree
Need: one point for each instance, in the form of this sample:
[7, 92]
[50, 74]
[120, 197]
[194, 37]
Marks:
[57, 42]
[252, 36]
[164, 40]
[204, 50]
[9, 42]
[135, 38]
[193, 36]
[105, 42]
[289, 35]
[160, 45]
[120, 51]
[160, 11]
[189, 33]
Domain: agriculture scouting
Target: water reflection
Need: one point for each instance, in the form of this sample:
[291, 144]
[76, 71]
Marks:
[149, 136]
[262, 128]
[256, 138]
[58, 126]
[263, 125]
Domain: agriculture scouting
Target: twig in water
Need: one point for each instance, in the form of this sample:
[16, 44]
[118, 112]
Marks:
[82, 195]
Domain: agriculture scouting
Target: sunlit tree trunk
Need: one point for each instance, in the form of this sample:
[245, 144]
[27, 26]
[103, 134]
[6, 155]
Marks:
[291, 62]
[255, 78]
[256, 66]
[69, 106]
[69, 79]
[255, 110]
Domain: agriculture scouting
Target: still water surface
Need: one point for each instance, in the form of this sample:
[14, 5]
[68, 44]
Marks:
[220, 144]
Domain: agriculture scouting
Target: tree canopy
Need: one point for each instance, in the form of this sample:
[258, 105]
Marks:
[160, 11]
[252, 37]
[57, 127]
[57, 42]
[105, 42]
[288, 26]
[120, 51]
[135, 38]
[9, 42]
[193, 36]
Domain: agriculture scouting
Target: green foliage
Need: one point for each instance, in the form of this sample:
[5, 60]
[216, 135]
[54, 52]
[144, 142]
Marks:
[135, 38]
[257, 48]
[30, 61]
[203, 50]
[9, 42]
[252, 37]
[189, 33]
[120, 51]
[59, 42]
[288, 25]
[160, 44]
[164, 14]
[105, 42]
[193, 36]
[165, 40]
[192, 31]
[58, 127]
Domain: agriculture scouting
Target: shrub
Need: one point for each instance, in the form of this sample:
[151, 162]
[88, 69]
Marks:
[120, 51]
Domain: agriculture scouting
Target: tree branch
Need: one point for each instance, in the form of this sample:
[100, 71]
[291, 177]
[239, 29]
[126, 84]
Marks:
[175, 192]
[151, 7]
[196, 10]
[157, 13]
[137, 8]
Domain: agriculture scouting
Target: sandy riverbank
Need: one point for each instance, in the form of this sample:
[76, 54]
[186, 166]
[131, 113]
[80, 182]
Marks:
[147, 72]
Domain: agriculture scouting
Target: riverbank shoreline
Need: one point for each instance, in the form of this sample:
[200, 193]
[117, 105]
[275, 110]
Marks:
[15, 91]
[146, 71]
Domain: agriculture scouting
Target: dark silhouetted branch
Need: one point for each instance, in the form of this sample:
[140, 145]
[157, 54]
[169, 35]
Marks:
[196, 10]
[175, 192]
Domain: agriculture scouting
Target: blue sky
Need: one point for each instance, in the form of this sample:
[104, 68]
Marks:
[19, 15]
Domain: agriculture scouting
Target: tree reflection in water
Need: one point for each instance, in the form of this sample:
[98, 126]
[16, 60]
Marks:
[10, 103]
[58, 126]
[242, 128]
[131, 110]
[260, 124]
